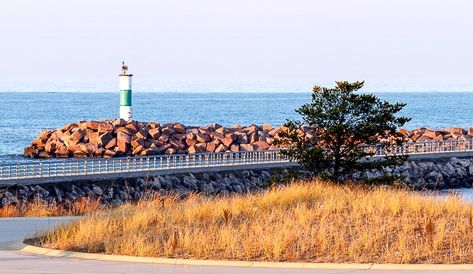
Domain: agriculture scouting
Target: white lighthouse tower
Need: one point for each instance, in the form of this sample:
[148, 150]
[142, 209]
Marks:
[125, 93]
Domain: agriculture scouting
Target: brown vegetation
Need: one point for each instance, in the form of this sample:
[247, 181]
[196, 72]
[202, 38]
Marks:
[310, 221]
[42, 209]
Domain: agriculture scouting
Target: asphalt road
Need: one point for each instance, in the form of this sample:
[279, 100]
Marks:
[12, 261]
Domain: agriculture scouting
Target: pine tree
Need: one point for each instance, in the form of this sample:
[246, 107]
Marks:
[345, 124]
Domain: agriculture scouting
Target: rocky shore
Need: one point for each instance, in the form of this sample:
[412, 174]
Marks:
[121, 138]
[420, 175]
[440, 174]
[121, 191]
[427, 134]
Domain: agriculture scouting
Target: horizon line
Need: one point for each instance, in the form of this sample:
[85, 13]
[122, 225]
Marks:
[234, 92]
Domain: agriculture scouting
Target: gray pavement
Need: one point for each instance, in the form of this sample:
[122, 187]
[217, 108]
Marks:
[11, 261]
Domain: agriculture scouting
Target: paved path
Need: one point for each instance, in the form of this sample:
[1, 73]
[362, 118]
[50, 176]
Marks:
[11, 261]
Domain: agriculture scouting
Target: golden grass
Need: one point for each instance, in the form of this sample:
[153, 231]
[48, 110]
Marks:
[41, 209]
[309, 221]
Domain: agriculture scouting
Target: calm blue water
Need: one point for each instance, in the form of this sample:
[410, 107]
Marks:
[24, 115]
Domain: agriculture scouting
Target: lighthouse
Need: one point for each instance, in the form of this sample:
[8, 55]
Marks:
[125, 93]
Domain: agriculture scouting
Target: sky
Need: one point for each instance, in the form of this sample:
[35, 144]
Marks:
[244, 45]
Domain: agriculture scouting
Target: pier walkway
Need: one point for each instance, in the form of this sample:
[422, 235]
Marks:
[69, 170]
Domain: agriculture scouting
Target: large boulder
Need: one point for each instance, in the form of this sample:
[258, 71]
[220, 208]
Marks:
[30, 151]
[104, 127]
[123, 140]
[154, 133]
[260, 145]
[202, 138]
[132, 126]
[62, 152]
[179, 128]
[93, 125]
[104, 138]
[246, 147]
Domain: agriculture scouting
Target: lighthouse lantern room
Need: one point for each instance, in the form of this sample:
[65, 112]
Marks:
[125, 93]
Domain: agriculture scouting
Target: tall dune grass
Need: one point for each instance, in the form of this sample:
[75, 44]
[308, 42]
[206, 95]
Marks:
[41, 209]
[309, 221]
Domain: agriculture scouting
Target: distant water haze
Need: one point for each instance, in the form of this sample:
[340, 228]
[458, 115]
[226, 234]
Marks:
[24, 115]
[110, 85]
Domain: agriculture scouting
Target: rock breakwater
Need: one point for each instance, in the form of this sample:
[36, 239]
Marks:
[133, 138]
[427, 134]
[424, 174]
[419, 174]
[117, 192]
[122, 138]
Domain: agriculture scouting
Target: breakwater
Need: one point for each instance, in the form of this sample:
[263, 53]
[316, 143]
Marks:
[112, 138]
[117, 192]
[445, 134]
[441, 173]
[419, 174]
[132, 138]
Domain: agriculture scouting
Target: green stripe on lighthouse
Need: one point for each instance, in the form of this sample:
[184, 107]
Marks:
[125, 98]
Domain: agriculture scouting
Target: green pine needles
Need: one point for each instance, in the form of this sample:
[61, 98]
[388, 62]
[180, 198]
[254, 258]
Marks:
[348, 126]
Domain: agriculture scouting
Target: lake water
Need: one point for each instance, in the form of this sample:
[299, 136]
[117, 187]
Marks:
[466, 193]
[24, 115]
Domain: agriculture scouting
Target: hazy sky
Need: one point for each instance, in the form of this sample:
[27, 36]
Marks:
[236, 45]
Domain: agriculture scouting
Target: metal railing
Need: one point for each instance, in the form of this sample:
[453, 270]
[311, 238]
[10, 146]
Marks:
[430, 147]
[97, 166]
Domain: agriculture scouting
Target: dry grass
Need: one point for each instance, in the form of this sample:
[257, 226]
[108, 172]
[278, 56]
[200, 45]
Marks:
[40, 209]
[308, 221]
